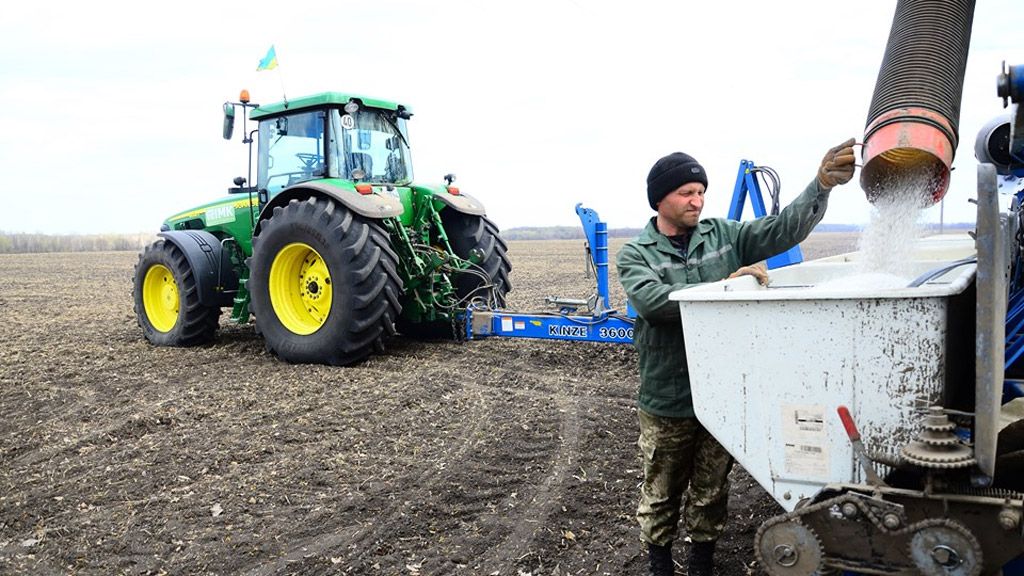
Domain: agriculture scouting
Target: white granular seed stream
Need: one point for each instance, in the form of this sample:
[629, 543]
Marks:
[886, 244]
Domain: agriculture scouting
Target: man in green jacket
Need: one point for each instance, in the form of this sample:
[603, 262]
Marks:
[677, 249]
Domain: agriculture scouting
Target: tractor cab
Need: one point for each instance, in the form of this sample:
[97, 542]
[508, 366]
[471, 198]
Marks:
[332, 136]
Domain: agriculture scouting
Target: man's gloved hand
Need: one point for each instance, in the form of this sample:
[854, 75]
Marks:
[759, 271]
[837, 166]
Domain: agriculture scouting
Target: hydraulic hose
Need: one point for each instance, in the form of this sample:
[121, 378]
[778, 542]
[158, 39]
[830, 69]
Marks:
[935, 273]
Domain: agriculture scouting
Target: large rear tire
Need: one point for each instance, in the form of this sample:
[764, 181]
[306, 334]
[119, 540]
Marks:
[471, 236]
[166, 299]
[324, 283]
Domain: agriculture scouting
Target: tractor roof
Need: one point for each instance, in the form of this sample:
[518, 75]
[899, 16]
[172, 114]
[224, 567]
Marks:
[320, 100]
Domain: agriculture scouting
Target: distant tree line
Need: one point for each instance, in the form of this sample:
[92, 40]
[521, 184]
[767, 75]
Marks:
[24, 243]
[561, 233]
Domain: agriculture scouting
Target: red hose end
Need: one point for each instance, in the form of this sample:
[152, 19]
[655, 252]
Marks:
[851, 428]
[907, 151]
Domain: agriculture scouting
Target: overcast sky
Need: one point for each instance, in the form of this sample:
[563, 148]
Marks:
[112, 111]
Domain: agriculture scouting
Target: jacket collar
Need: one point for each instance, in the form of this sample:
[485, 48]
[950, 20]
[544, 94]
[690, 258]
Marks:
[651, 236]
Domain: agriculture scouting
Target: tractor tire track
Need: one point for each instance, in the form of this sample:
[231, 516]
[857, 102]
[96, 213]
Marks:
[533, 517]
[355, 542]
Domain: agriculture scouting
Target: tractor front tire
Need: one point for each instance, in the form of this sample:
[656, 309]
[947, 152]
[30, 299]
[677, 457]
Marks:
[324, 283]
[166, 299]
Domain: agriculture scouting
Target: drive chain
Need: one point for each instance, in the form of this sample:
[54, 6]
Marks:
[863, 508]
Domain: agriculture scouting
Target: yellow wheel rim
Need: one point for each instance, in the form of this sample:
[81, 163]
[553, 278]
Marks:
[160, 298]
[300, 288]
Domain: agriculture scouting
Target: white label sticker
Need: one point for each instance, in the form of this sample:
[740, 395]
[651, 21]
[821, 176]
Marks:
[220, 214]
[805, 441]
[348, 122]
[506, 324]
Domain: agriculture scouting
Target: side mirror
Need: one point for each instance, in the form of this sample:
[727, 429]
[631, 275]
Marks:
[229, 120]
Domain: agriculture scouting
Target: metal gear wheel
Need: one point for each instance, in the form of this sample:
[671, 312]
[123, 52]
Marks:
[925, 456]
[937, 446]
[945, 548]
[788, 548]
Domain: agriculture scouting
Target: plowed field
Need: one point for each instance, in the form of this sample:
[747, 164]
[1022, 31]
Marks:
[487, 457]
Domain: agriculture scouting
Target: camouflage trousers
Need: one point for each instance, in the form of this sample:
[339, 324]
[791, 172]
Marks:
[680, 456]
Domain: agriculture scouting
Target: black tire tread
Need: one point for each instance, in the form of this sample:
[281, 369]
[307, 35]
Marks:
[369, 273]
[466, 232]
[197, 324]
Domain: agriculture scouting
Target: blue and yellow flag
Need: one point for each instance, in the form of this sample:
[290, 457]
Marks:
[269, 62]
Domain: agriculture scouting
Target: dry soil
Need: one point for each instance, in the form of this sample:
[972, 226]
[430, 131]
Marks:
[492, 457]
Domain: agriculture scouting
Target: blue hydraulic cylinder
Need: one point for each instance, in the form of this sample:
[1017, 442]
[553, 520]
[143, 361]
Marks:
[600, 248]
[746, 184]
[596, 232]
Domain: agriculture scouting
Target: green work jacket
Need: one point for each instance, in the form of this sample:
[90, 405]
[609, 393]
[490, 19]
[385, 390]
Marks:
[650, 268]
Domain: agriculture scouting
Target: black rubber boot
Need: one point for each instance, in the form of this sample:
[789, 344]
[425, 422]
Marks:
[702, 559]
[660, 558]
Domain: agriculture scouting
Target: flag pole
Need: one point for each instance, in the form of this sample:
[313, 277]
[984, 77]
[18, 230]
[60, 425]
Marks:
[280, 77]
[271, 61]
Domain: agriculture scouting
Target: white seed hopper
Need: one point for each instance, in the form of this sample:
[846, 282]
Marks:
[770, 365]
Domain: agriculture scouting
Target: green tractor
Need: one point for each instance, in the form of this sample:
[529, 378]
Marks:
[334, 248]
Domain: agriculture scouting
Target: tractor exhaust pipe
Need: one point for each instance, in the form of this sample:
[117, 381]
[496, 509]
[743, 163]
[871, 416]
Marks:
[912, 129]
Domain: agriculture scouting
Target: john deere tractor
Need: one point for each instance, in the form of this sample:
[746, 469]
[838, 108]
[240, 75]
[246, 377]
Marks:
[334, 247]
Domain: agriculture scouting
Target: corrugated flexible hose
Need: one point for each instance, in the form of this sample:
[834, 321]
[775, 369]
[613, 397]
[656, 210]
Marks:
[912, 124]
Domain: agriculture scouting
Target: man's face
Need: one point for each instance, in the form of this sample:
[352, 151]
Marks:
[683, 205]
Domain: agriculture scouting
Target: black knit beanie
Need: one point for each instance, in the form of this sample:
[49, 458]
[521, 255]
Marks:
[670, 173]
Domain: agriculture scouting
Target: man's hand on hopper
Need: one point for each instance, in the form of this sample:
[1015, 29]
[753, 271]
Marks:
[759, 271]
